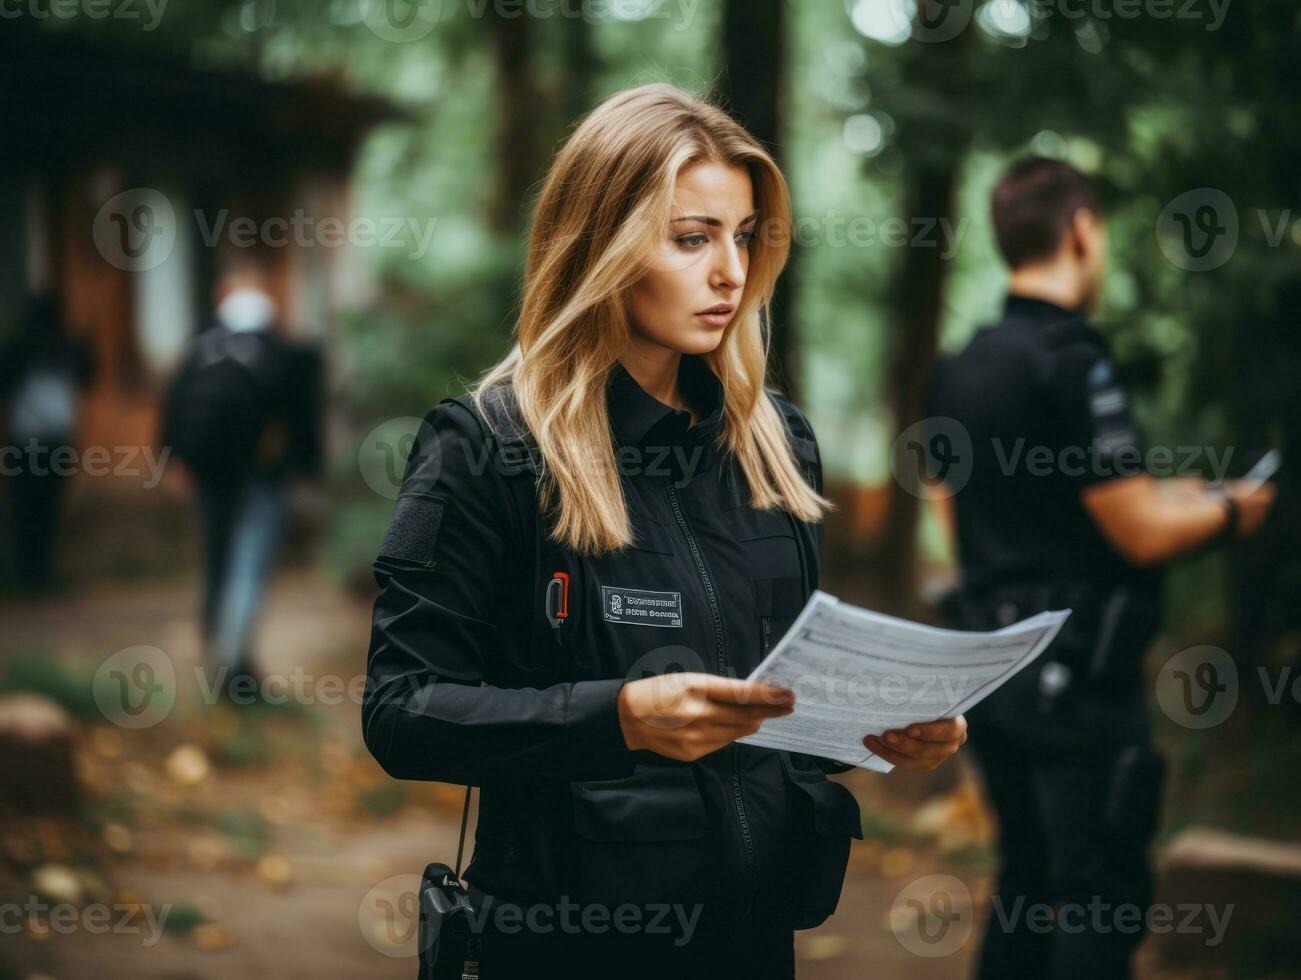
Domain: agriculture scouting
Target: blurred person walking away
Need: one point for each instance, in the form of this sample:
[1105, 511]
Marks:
[244, 415]
[42, 374]
[1065, 747]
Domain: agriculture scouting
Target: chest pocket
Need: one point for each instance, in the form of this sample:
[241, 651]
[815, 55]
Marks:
[767, 538]
[777, 603]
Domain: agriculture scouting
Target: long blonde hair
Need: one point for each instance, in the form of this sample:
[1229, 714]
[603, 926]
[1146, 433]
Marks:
[602, 210]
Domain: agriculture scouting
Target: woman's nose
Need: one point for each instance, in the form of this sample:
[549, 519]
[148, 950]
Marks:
[729, 268]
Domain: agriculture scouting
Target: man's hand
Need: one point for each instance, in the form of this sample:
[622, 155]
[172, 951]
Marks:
[923, 746]
[1254, 503]
[688, 715]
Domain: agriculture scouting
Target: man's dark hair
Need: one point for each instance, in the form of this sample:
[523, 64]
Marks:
[1033, 204]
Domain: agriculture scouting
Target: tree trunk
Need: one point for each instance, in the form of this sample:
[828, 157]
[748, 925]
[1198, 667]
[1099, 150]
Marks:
[752, 84]
[518, 138]
[581, 66]
[918, 303]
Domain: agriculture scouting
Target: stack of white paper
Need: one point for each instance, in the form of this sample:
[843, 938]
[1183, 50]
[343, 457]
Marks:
[857, 673]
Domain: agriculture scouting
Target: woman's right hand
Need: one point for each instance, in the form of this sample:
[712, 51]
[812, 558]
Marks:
[688, 715]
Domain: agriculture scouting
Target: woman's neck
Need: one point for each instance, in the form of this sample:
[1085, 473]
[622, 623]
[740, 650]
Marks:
[656, 371]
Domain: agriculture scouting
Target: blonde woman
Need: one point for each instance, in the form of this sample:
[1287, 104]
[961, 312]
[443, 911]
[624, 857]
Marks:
[591, 552]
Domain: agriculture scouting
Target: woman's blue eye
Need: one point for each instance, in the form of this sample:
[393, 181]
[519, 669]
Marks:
[746, 238]
[694, 241]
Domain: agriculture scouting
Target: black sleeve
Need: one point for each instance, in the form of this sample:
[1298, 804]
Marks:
[86, 362]
[306, 455]
[168, 423]
[429, 711]
[11, 364]
[802, 430]
[1099, 439]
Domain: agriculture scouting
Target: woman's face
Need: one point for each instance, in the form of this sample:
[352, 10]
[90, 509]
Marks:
[693, 286]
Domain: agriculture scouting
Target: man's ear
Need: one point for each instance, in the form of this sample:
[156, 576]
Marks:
[1085, 232]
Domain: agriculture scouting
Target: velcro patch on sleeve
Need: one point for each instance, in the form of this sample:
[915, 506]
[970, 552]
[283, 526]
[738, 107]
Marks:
[413, 531]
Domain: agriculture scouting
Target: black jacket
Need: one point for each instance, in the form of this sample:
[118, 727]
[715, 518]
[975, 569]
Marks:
[497, 656]
[1036, 411]
[286, 377]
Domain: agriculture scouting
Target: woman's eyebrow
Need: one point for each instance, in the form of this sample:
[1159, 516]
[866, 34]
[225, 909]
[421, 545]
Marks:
[713, 222]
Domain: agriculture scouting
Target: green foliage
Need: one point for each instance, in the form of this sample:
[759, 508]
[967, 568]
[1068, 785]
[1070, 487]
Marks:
[383, 799]
[183, 917]
[68, 685]
[247, 829]
[1151, 106]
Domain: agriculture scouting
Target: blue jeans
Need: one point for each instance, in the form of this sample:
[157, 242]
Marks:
[243, 524]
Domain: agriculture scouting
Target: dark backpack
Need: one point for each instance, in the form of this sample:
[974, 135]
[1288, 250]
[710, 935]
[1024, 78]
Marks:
[220, 404]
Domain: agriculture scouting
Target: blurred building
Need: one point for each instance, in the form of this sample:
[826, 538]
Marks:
[128, 177]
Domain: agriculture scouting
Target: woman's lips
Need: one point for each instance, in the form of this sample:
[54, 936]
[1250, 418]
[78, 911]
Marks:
[720, 317]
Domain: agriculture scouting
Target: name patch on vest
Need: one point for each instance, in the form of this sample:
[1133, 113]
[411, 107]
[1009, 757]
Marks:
[641, 606]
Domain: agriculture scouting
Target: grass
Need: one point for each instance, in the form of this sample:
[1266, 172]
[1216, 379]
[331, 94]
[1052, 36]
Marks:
[71, 686]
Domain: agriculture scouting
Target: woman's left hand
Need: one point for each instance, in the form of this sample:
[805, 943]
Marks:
[922, 746]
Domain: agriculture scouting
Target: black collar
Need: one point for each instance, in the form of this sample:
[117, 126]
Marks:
[1033, 308]
[638, 418]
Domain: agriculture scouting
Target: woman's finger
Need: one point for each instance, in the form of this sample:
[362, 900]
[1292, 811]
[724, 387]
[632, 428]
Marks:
[738, 691]
[940, 730]
[738, 714]
[917, 748]
[899, 759]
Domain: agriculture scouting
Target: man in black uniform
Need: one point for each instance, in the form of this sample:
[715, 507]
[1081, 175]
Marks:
[1056, 510]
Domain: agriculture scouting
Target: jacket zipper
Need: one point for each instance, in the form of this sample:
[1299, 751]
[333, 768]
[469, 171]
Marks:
[699, 560]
